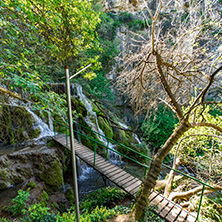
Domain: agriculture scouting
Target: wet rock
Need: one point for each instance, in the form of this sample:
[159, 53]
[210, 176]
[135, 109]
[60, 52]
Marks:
[44, 164]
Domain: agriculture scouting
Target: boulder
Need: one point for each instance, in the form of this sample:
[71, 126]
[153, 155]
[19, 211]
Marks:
[44, 164]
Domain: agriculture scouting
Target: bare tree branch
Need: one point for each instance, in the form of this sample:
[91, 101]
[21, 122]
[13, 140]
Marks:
[13, 94]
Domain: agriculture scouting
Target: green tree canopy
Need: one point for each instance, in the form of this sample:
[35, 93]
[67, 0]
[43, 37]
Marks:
[39, 37]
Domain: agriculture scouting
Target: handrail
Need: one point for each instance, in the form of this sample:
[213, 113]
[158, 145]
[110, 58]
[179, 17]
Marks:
[111, 140]
[142, 155]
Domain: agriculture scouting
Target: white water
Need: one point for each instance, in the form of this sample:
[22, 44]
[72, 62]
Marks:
[92, 120]
[83, 170]
[44, 128]
[124, 126]
[137, 138]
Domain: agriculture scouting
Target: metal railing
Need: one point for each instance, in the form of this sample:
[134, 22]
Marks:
[109, 140]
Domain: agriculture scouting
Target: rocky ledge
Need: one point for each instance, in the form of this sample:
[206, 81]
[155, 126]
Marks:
[43, 164]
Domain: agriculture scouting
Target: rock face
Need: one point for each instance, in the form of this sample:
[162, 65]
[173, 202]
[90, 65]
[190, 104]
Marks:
[116, 6]
[43, 164]
[16, 125]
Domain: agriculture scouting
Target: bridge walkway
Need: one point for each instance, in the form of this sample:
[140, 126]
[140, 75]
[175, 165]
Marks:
[165, 208]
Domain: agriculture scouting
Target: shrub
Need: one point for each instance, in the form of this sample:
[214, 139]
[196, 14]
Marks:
[157, 129]
[102, 197]
[18, 203]
[36, 213]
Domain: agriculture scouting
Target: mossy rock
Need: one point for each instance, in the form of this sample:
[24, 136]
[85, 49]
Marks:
[120, 136]
[70, 195]
[3, 185]
[97, 110]
[58, 127]
[53, 175]
[16, 125]
[32, 185]
[105, 127]
[78, 106]
[35, 133]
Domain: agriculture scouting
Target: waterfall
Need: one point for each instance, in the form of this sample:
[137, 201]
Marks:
[83, 170]
[44, 128]
[92, 120]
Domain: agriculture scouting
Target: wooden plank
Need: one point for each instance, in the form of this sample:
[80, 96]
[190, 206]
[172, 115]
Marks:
[181, 218]
[121, 179]
[173, 214]
[129, 181]
[190, 218]
[115, 176]
[134, 191]
[156, 200]
[105, 168]
[105, 162]
[82, 151]
[166, 210]
[101, 165]
[153, 195]
[113, 172]
[131, 187]
[161, 205]
[134, 180]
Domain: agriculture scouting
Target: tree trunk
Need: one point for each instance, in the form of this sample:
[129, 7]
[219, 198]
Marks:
[171, 177]
[155, 168]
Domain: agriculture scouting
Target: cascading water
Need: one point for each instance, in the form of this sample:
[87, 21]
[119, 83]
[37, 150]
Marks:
[92, 120]
[83, 170]
[44, 128]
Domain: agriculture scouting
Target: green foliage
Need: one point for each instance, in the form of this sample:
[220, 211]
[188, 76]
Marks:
[133, 23]
[32, 185]
[200, 145]
[122, 209]
[18, 204]
[99, 214]
[102, 197]
[159, 126]
[4, 220]
[37, 38]
[37, 213]
[210, 211]
[151, 216]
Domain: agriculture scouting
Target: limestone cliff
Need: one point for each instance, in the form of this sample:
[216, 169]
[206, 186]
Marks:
[116, 6]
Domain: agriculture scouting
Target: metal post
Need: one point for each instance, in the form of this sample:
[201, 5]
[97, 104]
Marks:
[72, 144]
[201, 198]
[66, 133]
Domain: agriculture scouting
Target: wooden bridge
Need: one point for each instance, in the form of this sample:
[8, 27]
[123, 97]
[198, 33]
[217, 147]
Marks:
[165, 208]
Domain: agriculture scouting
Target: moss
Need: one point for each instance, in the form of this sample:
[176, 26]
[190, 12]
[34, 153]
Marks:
[70, 196]
[17, 124]
[3, 174]
[43, 198]
[35, 133]
[78, 106]
[106, 128]
[97, 110]
[46, 196]
[53, 175]
[51, 143]
[32, 185]
[3, 185]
